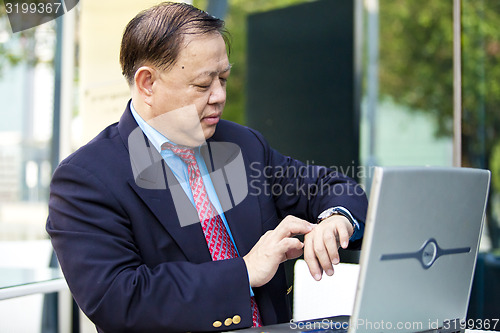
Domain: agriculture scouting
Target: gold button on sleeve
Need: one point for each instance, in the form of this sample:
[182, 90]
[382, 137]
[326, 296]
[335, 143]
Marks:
[236, 319]
[217, 324]
[228, 321]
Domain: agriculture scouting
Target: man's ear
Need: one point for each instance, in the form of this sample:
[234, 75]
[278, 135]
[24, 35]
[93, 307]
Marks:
[144, 79]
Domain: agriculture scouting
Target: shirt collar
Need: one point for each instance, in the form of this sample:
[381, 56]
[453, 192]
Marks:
[156, 138]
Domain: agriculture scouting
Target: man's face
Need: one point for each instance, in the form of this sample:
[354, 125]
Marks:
[189, 98]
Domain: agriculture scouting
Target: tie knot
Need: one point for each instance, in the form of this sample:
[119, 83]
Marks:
[186, 154]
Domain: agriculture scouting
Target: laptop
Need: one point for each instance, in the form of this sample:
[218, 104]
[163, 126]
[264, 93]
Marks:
[418, 256]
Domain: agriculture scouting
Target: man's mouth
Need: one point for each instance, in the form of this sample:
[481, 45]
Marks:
[211, 119]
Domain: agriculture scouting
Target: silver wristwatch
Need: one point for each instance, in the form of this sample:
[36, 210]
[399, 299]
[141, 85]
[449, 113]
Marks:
[338, 211]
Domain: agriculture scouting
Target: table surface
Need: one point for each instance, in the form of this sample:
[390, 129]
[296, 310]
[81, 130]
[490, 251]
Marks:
[16, 282]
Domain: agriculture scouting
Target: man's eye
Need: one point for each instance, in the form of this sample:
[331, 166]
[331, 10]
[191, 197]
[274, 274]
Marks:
[202, 86]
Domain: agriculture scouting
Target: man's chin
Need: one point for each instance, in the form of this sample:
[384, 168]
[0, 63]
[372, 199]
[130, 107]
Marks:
[209, 132]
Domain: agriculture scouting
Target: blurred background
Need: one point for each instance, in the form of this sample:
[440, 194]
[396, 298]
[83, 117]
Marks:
[366, 82]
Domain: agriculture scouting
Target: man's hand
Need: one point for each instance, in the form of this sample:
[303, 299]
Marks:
[321, 245]
[274, 247]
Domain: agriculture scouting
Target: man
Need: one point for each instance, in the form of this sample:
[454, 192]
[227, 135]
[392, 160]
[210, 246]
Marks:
[170, 220]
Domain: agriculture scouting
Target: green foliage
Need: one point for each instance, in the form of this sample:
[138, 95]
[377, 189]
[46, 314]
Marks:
[8, 56]
[495, 167]
[15, 48]
[481, 75]
[416, 65]
[416, 56]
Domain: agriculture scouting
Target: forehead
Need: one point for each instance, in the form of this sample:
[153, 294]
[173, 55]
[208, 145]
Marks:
[203, 53]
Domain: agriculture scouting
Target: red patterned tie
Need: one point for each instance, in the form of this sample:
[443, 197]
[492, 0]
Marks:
[219, 243]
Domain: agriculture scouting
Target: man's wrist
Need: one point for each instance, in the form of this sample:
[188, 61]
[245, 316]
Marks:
[339, 210]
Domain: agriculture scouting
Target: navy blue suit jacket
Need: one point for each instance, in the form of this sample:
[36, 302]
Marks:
[130, 264]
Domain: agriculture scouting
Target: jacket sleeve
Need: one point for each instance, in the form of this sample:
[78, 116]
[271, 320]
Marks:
[305, 190]
[94, 242]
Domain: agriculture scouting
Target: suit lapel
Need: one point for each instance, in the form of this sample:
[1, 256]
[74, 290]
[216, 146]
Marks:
[189, 237]
[244, 223]
[226, 164]
[156, 186]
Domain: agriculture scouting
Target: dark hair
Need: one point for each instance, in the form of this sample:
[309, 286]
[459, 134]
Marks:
[155, 36]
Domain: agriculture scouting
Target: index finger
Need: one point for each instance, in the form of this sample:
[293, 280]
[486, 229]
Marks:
[291, 226]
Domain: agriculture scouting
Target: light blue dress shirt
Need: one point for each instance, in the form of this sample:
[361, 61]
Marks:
[179, 168]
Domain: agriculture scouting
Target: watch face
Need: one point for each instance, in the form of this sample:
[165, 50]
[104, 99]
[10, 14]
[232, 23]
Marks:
[326, 214]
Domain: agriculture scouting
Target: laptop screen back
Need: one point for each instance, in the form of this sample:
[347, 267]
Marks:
[419, 251]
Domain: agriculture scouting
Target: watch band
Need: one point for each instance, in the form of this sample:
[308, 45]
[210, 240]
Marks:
[338, 211]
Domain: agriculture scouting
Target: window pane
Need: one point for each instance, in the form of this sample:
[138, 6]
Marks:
[26, 91]
[481, 99]
[408, 83]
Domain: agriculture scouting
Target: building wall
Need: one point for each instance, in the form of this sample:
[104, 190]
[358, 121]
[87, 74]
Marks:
[103, 90]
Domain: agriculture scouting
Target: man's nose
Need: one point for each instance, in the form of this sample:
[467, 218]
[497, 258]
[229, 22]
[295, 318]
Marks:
[218, 93]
